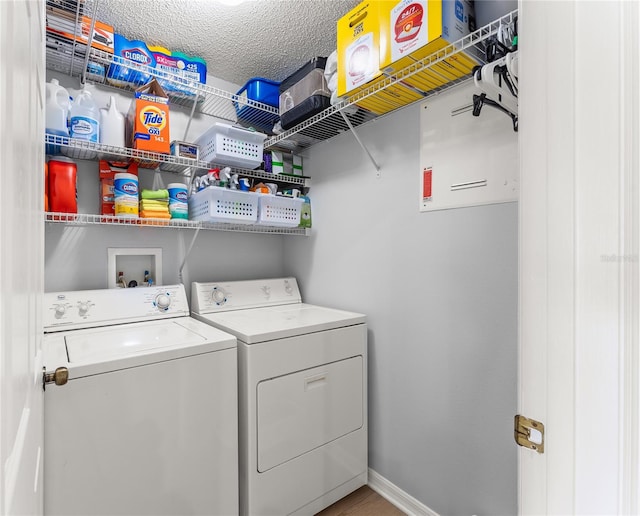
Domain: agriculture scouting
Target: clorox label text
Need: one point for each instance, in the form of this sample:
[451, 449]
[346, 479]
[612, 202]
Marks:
[136, 55]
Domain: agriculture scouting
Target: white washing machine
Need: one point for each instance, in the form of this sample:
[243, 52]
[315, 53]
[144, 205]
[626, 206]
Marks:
[302, 372]
[147, 421]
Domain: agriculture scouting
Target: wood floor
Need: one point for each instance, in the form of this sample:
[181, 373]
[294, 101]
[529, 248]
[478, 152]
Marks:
[363, 502]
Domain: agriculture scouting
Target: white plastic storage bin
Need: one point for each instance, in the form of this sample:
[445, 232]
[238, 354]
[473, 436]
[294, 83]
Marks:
[279, 211]
[233, 146]
[215, 204]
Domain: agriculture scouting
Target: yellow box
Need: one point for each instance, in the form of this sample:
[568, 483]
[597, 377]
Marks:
[362, 36]
[390, 98]
[420, 28]
[359, 44]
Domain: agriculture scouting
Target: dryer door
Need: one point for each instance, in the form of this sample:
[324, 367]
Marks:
[301, 411]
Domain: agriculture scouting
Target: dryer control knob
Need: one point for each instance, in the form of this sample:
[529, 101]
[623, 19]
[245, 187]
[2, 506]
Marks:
[163, 302]
[83, 308]
[60, 311]
[218, 296]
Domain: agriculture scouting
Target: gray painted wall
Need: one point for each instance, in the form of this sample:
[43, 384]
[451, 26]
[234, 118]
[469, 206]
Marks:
[76, 257]
[440, 292]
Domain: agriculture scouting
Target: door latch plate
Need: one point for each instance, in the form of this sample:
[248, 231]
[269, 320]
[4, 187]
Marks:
[529, 433]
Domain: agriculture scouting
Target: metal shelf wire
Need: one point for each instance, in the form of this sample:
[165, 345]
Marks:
[82, 149]
[221, 104]
[86, 219]
[330, 122]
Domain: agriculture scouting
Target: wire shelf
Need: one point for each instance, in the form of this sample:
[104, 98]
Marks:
[71, 58]
[82, 149]
[85, 219]
[331, 121]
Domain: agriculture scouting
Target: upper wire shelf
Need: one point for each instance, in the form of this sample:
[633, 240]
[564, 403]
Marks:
[224, 105]
[333, 120]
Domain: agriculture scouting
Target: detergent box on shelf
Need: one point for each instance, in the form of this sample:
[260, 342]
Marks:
[362, 37]
[135, 62]
[147, 124]
[183, 71]
[131, 61]
[420, 28]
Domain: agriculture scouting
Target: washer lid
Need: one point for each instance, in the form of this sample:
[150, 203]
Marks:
[100, 350]
[277, 322]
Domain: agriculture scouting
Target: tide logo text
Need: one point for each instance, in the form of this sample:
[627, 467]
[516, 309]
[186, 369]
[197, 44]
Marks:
[154, 119]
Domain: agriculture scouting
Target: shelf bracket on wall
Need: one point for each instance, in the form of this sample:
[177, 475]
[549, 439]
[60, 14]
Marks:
[355, 134]
[83, 77]
[186, 255]
[193, 109]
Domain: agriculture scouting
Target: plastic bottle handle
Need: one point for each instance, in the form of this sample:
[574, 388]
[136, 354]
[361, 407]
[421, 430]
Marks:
[62, 99]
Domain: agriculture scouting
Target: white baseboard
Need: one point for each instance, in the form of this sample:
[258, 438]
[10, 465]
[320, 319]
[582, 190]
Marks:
[403, 501]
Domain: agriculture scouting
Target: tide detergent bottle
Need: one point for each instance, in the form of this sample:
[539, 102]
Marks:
[56, 113]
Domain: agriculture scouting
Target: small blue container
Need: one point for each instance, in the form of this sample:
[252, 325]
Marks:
[260, 90]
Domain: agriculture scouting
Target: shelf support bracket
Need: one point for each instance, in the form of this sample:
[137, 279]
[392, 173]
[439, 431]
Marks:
[83, 77]
[186, 255]
[193, 109]
[355, 134]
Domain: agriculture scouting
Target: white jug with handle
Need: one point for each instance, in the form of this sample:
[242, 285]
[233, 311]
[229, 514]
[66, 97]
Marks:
[111, 125]
[56, 112]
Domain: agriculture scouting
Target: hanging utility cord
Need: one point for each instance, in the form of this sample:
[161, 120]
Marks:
[481, 100]
[507, 79]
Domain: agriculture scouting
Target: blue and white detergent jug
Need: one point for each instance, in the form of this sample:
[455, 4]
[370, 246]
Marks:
[56, 112]
[84, 119]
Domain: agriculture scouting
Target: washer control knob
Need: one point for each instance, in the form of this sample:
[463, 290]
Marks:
[163, 301]
[218, 296]
[60, 311]
[83, 308]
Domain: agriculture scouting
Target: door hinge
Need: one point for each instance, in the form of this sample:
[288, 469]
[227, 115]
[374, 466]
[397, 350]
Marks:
[529, 433]
[59, 376]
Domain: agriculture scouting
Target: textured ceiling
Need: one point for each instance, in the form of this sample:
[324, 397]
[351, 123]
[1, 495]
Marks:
[258, 38]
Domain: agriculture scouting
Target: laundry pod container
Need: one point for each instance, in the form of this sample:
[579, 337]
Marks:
[304, 93]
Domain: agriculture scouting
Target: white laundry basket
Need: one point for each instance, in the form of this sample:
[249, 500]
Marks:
[275, 210]
[215, 204]
[233, 146]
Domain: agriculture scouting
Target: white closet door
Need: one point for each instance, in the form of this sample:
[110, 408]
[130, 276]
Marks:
[22, 100]
[579, 238]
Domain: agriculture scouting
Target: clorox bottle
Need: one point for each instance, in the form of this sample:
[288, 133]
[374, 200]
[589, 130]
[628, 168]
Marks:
[56, 112]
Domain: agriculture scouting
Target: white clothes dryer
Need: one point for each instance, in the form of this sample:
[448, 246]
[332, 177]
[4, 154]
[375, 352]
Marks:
[302, 372]
[146, 422]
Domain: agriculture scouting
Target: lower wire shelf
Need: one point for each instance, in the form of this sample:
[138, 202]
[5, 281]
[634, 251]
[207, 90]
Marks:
[86, 219]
